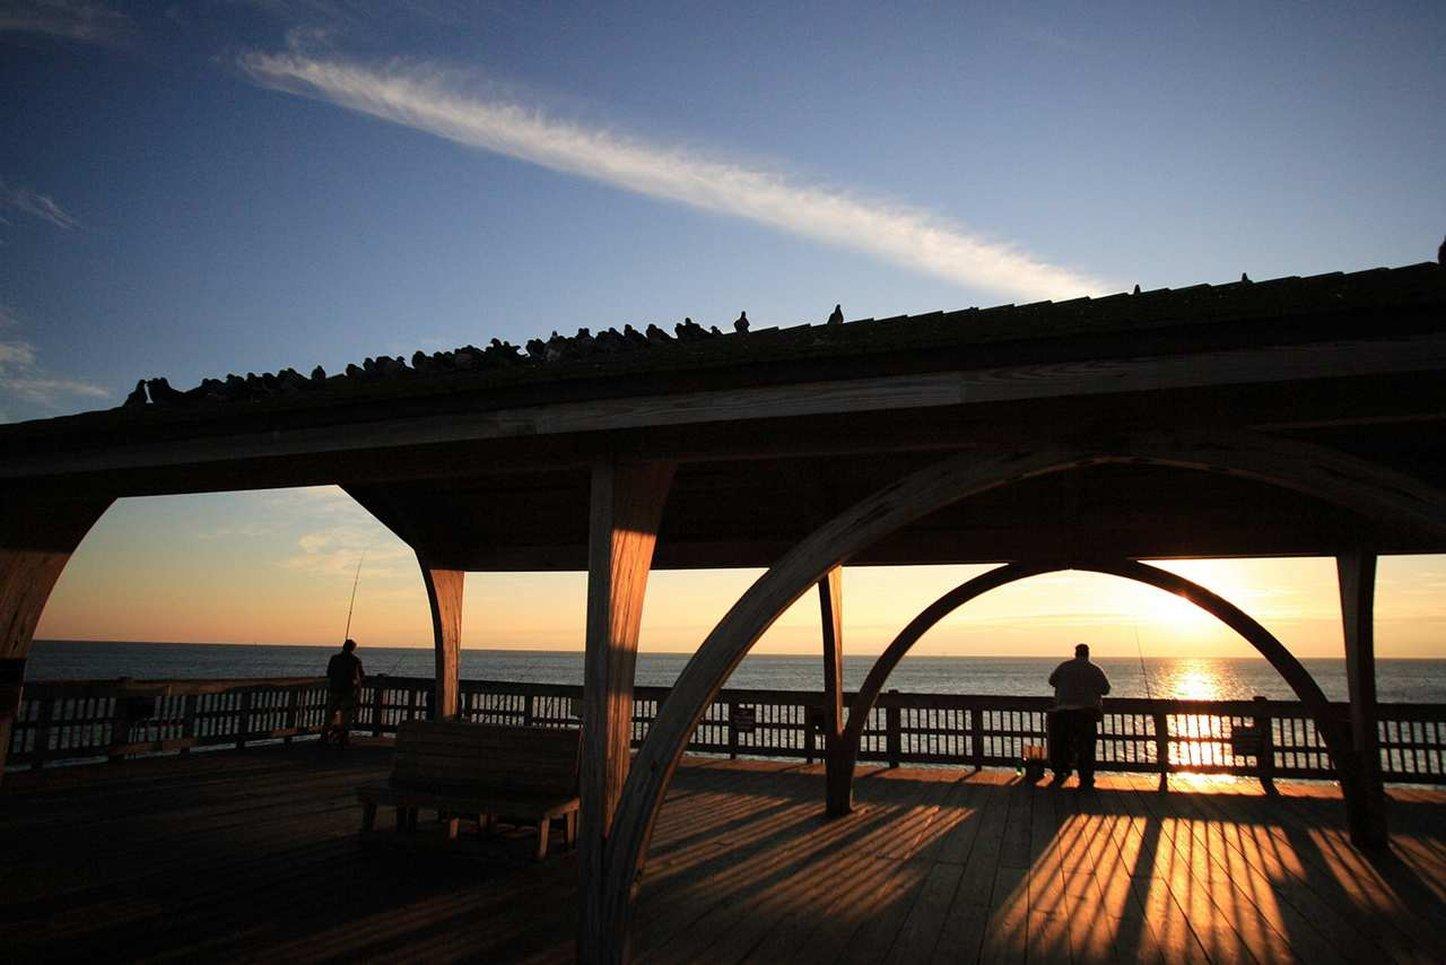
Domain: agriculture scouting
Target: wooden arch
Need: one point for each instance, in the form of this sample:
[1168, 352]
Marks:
[37, 538]
[1285, 662]
[1327, 474]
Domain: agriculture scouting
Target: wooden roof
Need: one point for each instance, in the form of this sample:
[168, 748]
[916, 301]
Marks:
[486, 467]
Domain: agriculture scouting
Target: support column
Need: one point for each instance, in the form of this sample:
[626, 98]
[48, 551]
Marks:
[1366, 808]
[627, 504]
[837, 764]
[37, 537]
[444, 594]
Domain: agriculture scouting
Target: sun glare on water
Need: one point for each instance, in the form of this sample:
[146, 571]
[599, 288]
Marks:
[1192, 680]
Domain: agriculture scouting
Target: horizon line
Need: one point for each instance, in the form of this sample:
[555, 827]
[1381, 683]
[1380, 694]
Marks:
[689, 653]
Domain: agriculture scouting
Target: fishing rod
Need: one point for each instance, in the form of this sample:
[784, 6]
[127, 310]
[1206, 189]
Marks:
[1141, 651]
[352, 605]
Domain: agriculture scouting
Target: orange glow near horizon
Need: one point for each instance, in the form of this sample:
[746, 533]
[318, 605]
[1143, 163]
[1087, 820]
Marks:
[276, 567]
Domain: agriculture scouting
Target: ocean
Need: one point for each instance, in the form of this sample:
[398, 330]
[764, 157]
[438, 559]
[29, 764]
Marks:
[1204, 678]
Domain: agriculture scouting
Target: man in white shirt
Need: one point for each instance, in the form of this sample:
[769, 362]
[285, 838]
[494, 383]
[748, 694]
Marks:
[1074, 722]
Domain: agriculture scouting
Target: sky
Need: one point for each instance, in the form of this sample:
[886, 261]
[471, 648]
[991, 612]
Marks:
[193, 189]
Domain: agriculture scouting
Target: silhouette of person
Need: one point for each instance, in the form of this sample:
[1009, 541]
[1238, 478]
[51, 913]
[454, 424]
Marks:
[1074, 722]
[344, 679]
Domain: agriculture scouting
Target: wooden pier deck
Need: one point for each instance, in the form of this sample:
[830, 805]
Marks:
[246, 855]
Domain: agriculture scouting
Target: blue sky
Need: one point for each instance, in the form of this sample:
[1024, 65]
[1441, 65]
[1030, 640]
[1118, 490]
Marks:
[211, 222]
[199, 188]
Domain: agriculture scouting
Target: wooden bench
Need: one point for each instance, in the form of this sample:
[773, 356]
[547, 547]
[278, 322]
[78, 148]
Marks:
[523, 775]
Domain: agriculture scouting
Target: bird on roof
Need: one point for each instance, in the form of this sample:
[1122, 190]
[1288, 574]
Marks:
[1244, 277]
[138, 394]
[740, 324]
[837, 317]
[161, 391]
[1137, 290]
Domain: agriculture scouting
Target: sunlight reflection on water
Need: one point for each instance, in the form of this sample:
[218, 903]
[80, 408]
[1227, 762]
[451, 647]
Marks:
[1190, 680]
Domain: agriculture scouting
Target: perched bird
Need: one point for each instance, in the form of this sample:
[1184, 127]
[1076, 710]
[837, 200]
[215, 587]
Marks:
[138, 394]
[161, 391]
[1137, 290]
[837, 317]
[1244, 277]
[740, 324]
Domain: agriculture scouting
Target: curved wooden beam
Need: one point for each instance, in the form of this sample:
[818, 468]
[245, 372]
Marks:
[37, 536]
[1284, 662]
[1326, 474]
[444, 596]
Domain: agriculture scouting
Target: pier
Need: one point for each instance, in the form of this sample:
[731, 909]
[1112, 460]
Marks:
[1292, 417]
[254, 854]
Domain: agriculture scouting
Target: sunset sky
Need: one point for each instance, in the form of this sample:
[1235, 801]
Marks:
[229, 186]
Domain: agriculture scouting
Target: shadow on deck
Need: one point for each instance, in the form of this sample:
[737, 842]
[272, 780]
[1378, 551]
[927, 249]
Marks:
[253, 854]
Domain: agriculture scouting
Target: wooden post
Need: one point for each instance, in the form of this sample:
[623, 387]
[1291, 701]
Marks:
[838, 778]
[732, 732]
[379, 689]
[37, 536]
[976, 735]
[120, 726]
[42, 732]
[1265, 763]
[289, 720]
[626, 507]
[188, 722]
[243, 721]
[1366, 807]
[893, 733]
[1162, 747]
[444, 594]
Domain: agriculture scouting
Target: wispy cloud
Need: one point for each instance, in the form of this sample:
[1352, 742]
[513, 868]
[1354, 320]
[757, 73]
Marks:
[24, 383]
[36, 205]
[91, 23]
[16, 355]
[334, 551]
[430, 100]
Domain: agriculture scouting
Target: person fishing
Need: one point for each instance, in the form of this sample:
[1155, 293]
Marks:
[1074, 721]
[344, 679]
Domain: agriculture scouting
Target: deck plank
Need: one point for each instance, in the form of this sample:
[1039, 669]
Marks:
[254, 854]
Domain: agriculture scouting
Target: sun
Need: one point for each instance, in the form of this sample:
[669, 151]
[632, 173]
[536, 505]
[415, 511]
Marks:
[1172, 614]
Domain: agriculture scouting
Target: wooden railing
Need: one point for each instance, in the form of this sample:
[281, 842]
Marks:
[1261, 738]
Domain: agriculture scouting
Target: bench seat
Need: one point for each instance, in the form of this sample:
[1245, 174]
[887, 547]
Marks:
[482, 772]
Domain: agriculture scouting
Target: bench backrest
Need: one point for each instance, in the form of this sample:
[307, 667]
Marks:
[486, 758]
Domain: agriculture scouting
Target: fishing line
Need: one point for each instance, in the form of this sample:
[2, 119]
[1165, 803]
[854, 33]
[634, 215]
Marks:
[1141, 651]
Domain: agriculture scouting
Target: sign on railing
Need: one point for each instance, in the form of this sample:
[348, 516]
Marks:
[1262, 738]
